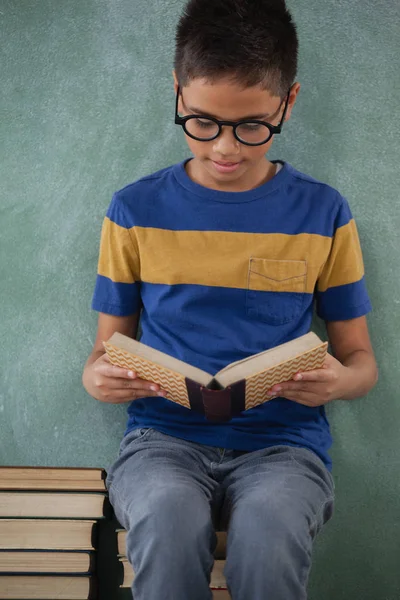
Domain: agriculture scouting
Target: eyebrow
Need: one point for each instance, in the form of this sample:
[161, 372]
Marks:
[197, 111]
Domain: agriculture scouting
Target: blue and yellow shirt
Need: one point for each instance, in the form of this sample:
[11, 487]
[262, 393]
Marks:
[223, 275]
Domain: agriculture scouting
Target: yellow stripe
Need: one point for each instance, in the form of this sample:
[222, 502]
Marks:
[222, 259]
[118, 259]
[274, 262]
[345, 263]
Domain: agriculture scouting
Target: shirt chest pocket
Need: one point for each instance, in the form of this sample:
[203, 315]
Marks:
[276, 289]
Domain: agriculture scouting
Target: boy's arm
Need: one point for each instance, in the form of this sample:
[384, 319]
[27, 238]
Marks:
[349, 374]
[106, 382]
[351, 345]
[106, 326]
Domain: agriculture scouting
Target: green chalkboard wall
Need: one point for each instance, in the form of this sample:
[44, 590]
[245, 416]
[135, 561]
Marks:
[78, 80]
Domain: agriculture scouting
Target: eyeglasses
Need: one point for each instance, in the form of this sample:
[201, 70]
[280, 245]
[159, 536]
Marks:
[249, 132]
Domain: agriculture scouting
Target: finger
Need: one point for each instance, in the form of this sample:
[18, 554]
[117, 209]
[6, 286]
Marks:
[291, 387]
[103, 365]
[142, 384]
[109, 370]
[321, 375]
[128, 395]
[282, 387]
[123, 394]
[135, 384]
[144, 393]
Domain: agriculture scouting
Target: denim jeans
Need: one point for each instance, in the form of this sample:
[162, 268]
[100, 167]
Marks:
[171, 495]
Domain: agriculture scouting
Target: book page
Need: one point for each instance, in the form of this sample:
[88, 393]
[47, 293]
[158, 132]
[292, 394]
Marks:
[258, 363]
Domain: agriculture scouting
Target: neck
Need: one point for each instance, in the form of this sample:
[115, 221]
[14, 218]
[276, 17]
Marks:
[253, 178]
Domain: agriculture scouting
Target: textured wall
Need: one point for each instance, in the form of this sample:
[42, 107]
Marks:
[78, 80]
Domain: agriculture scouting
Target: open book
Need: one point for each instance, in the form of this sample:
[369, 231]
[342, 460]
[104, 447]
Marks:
[239, 386]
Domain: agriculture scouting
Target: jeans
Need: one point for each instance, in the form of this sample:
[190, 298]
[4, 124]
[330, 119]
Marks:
[171, 495]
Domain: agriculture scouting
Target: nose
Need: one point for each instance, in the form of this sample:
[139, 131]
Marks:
[226, 144]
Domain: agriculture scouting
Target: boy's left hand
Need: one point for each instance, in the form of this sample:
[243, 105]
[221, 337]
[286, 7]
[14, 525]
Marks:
[315, 388]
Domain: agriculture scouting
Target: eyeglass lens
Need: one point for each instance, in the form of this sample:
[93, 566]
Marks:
[205, 129]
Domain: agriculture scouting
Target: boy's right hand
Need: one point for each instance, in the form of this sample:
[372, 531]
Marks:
[116, 385]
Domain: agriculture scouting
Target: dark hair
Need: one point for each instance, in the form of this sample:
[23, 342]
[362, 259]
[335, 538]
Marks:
[248, 42]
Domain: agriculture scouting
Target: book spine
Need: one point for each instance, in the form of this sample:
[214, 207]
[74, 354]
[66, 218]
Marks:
[216, 405]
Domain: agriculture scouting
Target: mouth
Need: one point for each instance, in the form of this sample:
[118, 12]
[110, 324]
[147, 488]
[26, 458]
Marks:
[226, 167]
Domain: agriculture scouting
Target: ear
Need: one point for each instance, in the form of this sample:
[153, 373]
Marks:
[292, 99]
[175, 81]
[176, 85]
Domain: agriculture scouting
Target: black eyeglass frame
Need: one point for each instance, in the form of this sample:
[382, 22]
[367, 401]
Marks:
[273, 129]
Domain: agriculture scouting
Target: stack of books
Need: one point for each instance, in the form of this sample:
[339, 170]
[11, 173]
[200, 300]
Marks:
[48, 526]
[217, 584]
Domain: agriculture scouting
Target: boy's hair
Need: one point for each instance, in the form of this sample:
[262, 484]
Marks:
[248, 42]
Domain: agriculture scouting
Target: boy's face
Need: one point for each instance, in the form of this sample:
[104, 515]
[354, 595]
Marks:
[229, 102]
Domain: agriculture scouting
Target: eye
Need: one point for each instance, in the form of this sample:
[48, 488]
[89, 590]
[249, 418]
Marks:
[251, 126]
[204, 123]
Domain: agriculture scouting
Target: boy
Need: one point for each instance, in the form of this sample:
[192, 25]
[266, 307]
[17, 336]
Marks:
[224, 255]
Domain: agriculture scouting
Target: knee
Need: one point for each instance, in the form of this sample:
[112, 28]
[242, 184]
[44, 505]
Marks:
[269, 524]
[173, 524]
[170, 512]
[269, 539]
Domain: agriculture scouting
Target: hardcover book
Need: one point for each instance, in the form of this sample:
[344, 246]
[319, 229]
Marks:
[47, 534]
[240, 386]
[17, 587]
[217, 575]
[51, 505]
[52, 479]
[37, 561]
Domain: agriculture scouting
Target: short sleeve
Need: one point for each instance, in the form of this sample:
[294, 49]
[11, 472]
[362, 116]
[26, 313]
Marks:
[341, 291]
[117, 288]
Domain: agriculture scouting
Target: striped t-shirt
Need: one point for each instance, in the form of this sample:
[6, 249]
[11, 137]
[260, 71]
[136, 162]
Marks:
[224, 275]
